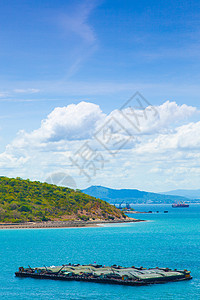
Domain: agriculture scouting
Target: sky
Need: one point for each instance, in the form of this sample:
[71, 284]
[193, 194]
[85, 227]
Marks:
[101, 92]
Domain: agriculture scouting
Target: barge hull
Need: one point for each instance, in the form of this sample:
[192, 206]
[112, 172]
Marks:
[103, 280]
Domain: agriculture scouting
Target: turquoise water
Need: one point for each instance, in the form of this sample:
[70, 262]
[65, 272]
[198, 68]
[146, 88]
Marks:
[167, 240]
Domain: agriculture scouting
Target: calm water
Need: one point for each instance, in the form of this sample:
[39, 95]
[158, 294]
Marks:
[168, 240]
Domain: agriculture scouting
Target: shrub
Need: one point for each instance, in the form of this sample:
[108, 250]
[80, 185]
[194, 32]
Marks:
[24, 208]
[13, 206]
[83, 217]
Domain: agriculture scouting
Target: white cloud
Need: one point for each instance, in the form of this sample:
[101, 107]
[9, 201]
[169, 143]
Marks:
[4, 94]
[77, 21]
[153, 120]
[170, 112]
[182, 138]
[81, 121]
[73, 122]
[62, 126]
[75, 24]
[161, 149]
[26, 91]
[57, 89]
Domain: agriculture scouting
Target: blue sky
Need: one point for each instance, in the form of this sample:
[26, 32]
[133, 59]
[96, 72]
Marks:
[55, 53]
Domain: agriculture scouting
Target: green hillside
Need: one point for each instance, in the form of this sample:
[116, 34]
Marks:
[25, 200]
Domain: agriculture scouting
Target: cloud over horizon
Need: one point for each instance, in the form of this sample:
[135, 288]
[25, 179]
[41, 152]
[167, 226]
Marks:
[66, 129]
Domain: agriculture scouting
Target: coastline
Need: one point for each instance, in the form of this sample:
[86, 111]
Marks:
[65, 224]
[136, 212]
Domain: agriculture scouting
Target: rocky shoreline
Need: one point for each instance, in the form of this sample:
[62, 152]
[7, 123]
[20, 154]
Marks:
[65, 224]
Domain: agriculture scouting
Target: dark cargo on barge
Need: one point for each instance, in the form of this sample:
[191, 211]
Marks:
[101, 274]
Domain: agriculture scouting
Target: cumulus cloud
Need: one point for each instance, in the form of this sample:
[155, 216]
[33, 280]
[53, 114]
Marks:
[84, 120]
[182, 138]
[150, 120]
[66, 129]
[62, 126]
[73, 122]
[171, 111]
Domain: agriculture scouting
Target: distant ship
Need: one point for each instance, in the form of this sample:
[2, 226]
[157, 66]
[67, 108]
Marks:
[180, 205]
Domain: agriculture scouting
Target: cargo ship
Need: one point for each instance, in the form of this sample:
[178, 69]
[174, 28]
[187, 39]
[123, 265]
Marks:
[131, 276]
[180, 205]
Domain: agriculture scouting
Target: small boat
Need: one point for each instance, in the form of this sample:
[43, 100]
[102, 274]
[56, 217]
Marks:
[183, 204]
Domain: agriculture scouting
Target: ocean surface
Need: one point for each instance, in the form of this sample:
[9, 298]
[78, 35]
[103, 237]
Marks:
[168, 240]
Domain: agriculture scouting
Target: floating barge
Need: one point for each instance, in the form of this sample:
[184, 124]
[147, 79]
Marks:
[131, 276]
[180, 205]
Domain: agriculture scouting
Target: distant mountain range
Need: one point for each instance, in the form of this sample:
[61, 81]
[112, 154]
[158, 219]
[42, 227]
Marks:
[191, 194]
[116, 196]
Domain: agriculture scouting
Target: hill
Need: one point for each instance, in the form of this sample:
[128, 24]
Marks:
[191, 194]
[25, 201]
[115, 196]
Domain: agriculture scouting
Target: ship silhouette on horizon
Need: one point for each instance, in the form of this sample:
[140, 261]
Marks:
[180, 204]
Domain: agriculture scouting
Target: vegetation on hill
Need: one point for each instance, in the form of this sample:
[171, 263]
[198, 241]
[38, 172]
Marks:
[25, 200]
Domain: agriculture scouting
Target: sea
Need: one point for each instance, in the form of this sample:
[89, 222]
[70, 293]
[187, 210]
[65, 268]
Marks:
[165, 240]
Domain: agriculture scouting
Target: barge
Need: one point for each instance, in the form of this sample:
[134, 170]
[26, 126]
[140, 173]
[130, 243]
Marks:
[130, 276]
[180, 205]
